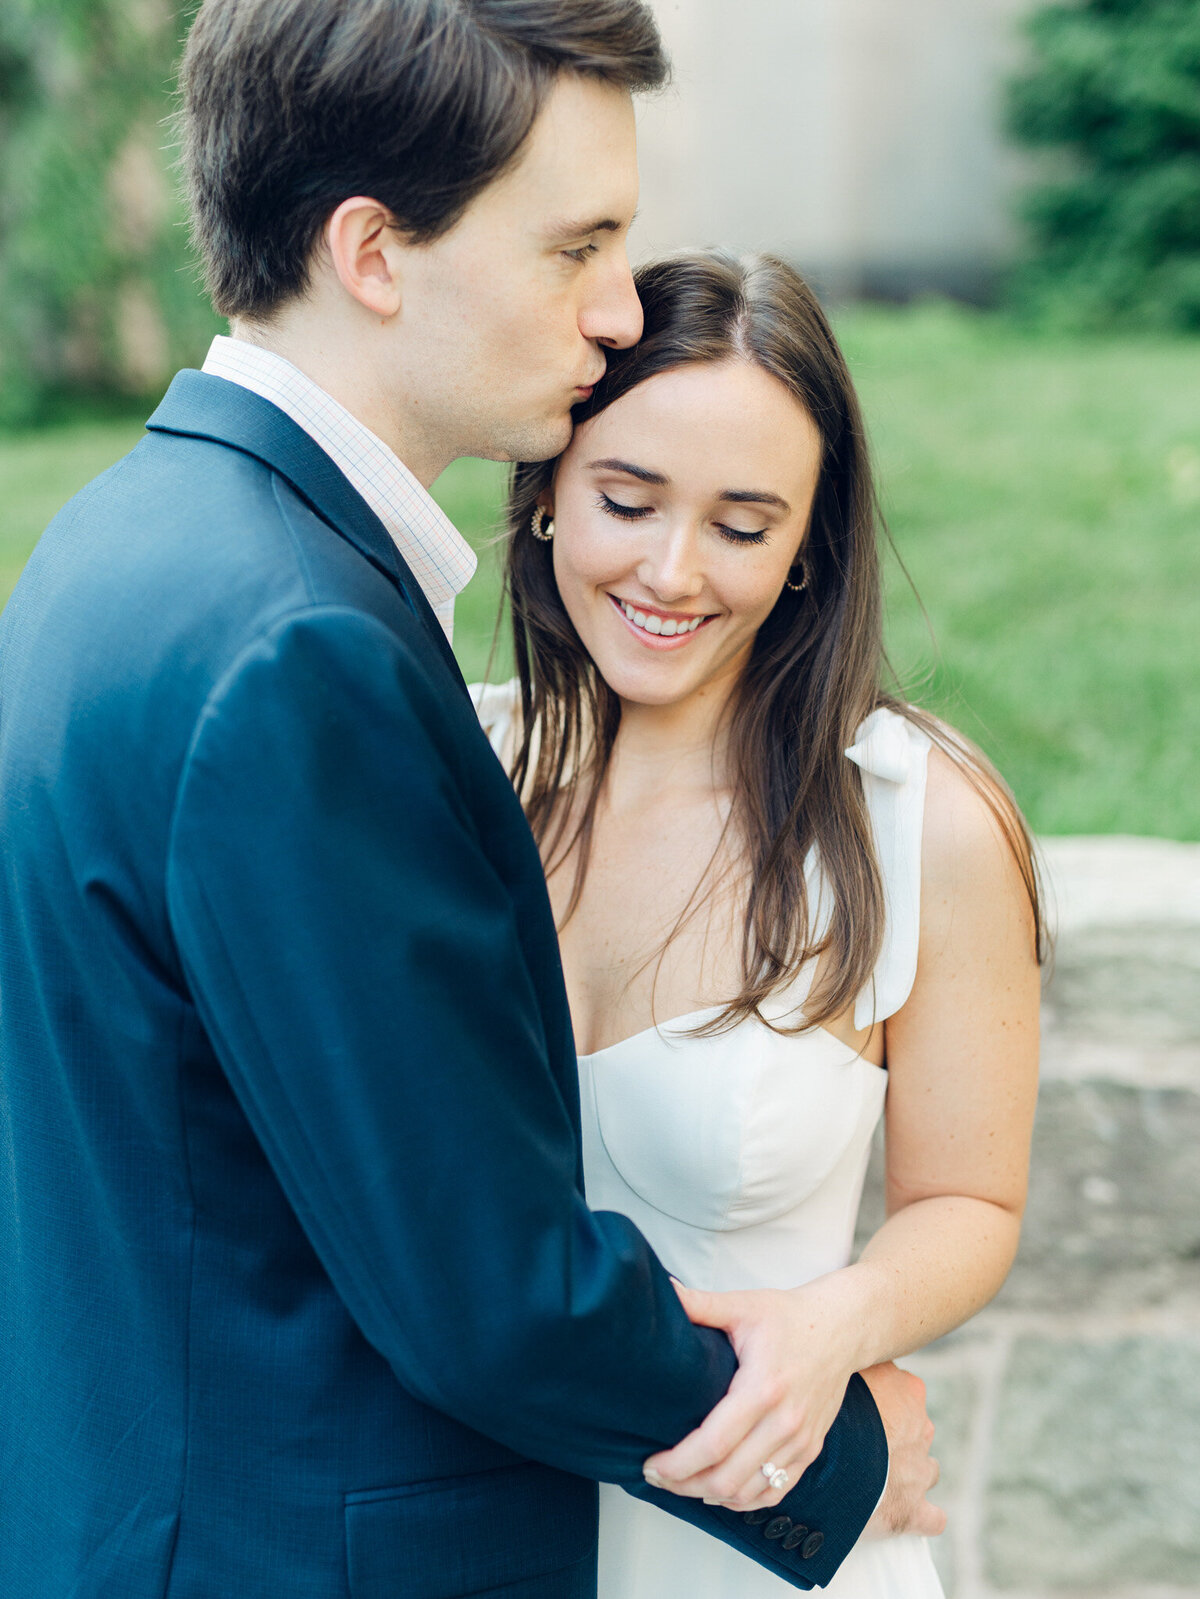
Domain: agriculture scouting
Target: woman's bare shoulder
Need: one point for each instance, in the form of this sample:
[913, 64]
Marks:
[975, 847]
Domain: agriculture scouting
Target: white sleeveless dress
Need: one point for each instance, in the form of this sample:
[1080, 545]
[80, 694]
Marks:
[741, 1158]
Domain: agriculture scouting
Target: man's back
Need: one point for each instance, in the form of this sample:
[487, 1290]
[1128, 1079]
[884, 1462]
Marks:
[190, 1392]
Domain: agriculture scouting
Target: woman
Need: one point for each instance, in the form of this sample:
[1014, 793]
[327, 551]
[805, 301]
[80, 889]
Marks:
[779, 892]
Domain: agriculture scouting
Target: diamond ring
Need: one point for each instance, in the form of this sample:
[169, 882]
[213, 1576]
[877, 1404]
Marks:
[775, 1475]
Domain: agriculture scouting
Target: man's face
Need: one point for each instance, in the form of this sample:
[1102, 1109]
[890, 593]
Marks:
[505, 319]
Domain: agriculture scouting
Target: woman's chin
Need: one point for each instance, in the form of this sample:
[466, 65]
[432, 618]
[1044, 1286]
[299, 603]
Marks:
[651, 686]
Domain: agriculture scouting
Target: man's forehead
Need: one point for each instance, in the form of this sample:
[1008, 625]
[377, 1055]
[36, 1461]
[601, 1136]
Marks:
[579, 160]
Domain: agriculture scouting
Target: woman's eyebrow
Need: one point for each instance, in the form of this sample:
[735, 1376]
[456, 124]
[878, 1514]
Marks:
[734, 496]
[755, 497]
[642, 473]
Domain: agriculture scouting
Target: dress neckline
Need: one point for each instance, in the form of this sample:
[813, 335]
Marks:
[675, 1023]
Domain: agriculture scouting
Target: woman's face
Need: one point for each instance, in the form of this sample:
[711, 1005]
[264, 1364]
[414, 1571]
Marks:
[679, 512]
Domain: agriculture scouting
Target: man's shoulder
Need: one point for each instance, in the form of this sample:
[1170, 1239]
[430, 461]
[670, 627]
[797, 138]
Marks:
[168, 482]
[174, 562]
[204, 528]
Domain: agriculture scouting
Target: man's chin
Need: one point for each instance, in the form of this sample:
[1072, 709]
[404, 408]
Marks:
[533, 442]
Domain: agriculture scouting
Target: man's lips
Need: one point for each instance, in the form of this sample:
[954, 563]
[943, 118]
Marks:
[656, 627]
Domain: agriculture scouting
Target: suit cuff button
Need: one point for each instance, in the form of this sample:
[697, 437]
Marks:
[812, 1545]
[778, 1528]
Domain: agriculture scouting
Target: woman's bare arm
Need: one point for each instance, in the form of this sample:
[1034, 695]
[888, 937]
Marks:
[962, 1082]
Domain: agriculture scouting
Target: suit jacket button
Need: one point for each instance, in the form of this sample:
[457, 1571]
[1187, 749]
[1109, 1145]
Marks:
[811, 1545]
[778, 1527]
[796, 1537]
[755, 1518]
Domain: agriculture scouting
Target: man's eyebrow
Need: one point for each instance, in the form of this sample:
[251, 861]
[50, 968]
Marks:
[755, 497]
[581, 228]
[642, 473]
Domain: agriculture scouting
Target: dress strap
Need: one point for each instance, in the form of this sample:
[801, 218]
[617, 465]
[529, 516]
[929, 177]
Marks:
[892, 755]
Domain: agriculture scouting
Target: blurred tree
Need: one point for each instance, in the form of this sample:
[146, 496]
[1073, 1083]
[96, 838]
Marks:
[97, 291]
[1115, 86]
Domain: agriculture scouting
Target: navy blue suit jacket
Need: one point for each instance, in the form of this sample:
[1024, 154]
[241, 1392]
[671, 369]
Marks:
[299, 1294]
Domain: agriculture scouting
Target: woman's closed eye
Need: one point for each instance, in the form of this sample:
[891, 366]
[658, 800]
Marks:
[634, 513]
[627, 513]
[737, 535]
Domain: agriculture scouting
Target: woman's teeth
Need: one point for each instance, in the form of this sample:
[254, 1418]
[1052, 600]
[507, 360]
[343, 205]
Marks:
[666, 626]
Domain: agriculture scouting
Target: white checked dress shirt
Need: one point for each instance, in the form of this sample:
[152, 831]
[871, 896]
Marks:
[440, 558]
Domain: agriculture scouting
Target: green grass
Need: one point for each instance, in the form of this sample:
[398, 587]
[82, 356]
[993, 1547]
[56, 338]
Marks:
[472, 495]
[39, 471]
[1045, 496]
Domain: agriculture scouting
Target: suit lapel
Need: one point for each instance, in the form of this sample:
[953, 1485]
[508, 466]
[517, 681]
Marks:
[199, 405]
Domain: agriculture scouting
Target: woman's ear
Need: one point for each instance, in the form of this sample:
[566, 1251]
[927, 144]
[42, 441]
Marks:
[367, 254]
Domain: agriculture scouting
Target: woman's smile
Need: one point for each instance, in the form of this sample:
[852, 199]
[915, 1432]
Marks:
[656, 628]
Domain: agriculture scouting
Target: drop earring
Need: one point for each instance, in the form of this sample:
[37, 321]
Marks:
[542, 530]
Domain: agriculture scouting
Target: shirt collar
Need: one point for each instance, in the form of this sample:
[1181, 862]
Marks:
[440, 558]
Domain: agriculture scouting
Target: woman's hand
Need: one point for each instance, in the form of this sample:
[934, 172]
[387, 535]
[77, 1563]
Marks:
[796, 1350]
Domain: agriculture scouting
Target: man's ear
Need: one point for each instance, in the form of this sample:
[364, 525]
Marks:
[367, 254]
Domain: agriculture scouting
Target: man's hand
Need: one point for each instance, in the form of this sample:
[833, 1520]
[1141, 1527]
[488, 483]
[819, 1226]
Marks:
[912, 1470]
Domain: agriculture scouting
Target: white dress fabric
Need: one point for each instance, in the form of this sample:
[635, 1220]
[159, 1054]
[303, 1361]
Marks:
[741, 1158]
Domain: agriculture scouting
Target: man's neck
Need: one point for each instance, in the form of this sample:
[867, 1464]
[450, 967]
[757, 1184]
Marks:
[327, 355]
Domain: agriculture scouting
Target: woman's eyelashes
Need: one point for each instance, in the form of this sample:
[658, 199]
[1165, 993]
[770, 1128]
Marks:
[741, 535]
[627, 513]
[635, 513]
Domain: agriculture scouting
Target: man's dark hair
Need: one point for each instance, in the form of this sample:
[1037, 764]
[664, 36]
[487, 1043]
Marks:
[292, 106]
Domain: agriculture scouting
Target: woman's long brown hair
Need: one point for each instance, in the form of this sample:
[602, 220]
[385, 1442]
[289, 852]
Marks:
[814, 673]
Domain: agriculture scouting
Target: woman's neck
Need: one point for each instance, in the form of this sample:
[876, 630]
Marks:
[670, 748]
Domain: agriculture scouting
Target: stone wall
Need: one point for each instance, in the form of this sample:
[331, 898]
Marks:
[1068, 1412]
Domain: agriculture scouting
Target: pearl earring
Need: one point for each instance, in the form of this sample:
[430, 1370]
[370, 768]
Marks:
[542, 530]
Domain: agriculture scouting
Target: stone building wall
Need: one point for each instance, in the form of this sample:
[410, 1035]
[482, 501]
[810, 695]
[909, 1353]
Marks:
[1068, 1412]
[861, 139]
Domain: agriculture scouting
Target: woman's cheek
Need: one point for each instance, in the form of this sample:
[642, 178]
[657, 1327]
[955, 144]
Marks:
[594, 557]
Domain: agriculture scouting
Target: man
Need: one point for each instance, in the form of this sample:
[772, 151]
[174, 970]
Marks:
[300, 1294]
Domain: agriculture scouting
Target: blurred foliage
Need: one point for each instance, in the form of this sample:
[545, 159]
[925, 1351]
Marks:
[97, 291]
[1114, 87]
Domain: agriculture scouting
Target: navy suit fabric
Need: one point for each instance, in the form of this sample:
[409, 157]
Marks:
[298, 1290]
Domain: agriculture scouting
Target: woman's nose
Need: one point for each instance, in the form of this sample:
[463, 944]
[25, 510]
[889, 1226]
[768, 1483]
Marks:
[671, 568]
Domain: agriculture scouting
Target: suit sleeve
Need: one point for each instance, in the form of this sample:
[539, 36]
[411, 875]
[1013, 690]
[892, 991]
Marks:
[355, 959]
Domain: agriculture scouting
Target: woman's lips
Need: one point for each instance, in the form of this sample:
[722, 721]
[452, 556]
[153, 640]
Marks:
[681, 626]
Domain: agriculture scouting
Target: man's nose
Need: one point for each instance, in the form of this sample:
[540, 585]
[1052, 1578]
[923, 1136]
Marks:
[613, 315]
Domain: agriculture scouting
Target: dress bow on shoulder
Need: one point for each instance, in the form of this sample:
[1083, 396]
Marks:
[884, 746]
